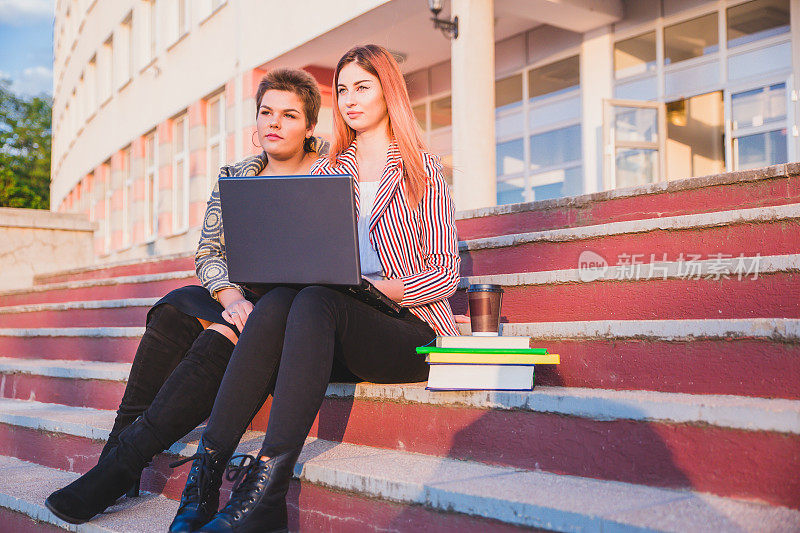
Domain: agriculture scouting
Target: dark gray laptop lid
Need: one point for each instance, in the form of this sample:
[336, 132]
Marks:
[290, 229]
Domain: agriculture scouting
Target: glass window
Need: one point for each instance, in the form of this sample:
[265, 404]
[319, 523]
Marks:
[555, 147]
[511, 191]
[547, 191]
[551, 112]
[213, 116]
[635, 55]
[758, 106]
[636, 166]
[757, 20]
[179, 134]
[441, 113]
[510, 157]
[508, 92]
[554, 78]
[419, 114]
[636, 124]
[760, 150]
[693, 38]
[639, 89]
[754, 63]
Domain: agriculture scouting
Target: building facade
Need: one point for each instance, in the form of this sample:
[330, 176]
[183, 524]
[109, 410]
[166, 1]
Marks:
[534, 99]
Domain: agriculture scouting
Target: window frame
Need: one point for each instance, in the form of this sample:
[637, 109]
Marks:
[151, 187]
[218, 138]
[180, 206]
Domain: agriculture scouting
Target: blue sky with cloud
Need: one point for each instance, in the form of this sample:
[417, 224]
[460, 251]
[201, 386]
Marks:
[26, 45]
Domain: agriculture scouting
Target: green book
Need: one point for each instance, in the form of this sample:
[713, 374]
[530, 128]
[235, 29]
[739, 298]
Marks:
[434, 349]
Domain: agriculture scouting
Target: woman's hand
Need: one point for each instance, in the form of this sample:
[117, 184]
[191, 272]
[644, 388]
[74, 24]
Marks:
[237, 309]
[461, 319]
[393, 288]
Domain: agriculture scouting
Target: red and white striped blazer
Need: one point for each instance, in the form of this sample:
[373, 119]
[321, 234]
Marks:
[418, 246]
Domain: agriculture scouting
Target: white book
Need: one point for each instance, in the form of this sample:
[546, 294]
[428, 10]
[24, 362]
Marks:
[468, 341]
[480, 377]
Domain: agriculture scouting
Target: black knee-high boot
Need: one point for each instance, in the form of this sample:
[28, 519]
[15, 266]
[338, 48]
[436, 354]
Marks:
[183, 402]
[168, 336]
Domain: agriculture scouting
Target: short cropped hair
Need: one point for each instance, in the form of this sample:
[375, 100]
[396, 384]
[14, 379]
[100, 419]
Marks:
[294, 81]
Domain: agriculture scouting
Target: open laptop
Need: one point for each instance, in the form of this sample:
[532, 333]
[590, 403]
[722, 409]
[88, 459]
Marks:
[296, 231]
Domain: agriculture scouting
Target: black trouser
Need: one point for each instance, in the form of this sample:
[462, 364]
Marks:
[317, 328]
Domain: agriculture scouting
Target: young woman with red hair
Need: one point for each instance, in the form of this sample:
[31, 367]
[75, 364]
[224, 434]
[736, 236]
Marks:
[409, 251]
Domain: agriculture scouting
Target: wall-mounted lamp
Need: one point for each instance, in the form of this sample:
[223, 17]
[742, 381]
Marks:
[448, 27]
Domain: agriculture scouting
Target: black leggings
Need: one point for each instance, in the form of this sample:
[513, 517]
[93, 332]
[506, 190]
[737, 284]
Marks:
[291, 341]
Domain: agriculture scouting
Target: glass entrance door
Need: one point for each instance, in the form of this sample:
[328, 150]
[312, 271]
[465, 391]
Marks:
[633, 137]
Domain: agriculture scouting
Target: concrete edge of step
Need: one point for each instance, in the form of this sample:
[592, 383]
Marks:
[524, 498]
[114, 264]
[739, 268]
[78, 305]
[724, 411]
[120, 280]
[93, 332]
[774, 329]
[149, 512]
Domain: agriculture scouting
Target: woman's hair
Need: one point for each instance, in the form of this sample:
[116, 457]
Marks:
[402, 125]
[298, 82]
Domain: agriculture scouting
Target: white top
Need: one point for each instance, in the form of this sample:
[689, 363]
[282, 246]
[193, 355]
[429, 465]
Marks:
[370, 263]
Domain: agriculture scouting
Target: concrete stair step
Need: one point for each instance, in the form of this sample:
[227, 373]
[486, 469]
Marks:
[76, 383]
[749, 232]
[674, 290]
[748, 357]
[463, 490]
[708, 443]
[137, 267]
[717, 288]
[764, 231]
[143, 286]
[93, 313]
[107, 344]
[776, 185]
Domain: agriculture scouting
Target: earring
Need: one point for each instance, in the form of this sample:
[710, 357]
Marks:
[253, 141]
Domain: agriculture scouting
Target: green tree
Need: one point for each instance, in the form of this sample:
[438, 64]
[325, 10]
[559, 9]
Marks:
[25, 140]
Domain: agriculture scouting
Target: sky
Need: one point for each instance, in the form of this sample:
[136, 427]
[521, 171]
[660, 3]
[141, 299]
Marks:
[26, 45]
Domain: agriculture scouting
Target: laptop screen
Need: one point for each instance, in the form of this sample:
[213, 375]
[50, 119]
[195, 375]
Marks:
[290, 229]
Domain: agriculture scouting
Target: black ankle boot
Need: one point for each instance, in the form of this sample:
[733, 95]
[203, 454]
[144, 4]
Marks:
[258, 499]
[200, 497]
[100, 487]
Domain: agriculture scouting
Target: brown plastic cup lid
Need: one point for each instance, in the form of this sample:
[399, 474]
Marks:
[484, 287]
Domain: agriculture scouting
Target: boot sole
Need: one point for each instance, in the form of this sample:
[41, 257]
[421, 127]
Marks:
[64, 517]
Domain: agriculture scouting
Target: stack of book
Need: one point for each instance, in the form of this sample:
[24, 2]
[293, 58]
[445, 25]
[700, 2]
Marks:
[483, 363]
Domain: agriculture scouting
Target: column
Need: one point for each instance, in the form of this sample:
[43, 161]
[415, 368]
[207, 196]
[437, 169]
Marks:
[597, 83]
[794, 121]
[474, 175]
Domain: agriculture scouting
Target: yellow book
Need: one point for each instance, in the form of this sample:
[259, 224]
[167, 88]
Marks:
[493, 359]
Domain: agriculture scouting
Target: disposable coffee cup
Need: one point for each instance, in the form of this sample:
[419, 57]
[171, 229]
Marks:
[484, 309]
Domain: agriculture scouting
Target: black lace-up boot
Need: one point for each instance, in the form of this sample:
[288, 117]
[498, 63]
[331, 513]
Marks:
[258, 499]
[200, 497]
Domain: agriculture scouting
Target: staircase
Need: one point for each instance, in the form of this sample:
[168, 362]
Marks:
[676, 407]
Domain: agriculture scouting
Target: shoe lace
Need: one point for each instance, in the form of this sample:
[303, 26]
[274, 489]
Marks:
[245, 477]
[237, 473]
[199, 477]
